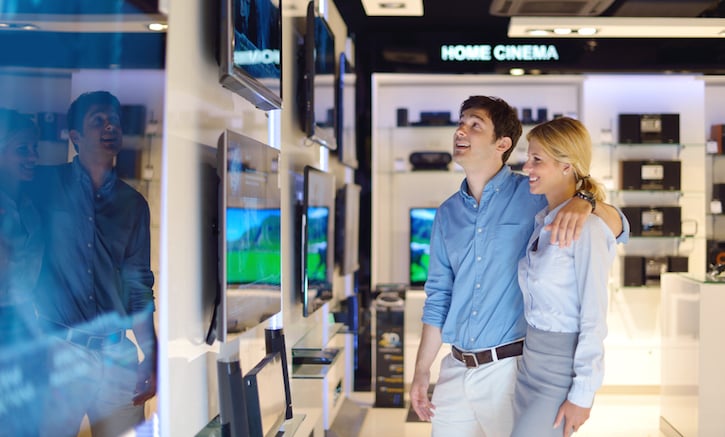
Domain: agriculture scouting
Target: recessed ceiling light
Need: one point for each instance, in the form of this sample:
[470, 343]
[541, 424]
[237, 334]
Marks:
[587, 31]
[538, 32]
[158, 27]
[517, 72]
[562, 30]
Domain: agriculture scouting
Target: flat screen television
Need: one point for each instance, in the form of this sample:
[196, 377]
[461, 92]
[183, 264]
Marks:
[421, 226]
[265, 397]
[317, 233]
[250, 50]
[249, 234]
[317, 98]
[347, 228]
[346, 148]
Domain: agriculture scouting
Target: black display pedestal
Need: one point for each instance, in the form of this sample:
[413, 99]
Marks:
[389, 348]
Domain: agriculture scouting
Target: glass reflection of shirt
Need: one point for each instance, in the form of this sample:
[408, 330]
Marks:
[565, 290]
[472, 292]
[20, 232]
[97, 256]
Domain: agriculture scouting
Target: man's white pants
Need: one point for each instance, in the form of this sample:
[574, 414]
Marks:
[476, 402]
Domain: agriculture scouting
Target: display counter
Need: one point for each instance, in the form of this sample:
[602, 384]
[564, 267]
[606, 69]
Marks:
[693, 383]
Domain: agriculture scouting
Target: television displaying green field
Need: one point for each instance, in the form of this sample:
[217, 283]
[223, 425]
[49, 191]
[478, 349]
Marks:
[421, 226]
[253, 246]
[318, 218]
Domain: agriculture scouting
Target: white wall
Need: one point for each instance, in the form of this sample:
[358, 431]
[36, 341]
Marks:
[197, 111]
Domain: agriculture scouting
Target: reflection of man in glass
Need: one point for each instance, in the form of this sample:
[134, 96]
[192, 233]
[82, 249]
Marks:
[96, 280]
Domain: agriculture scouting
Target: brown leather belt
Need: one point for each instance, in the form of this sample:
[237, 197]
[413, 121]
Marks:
[475, 359]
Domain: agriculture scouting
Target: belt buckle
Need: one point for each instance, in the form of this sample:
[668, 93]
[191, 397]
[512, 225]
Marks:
[470, 359]
[95, 342]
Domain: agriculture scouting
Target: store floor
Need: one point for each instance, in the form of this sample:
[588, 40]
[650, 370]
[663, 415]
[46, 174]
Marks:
[613, 415]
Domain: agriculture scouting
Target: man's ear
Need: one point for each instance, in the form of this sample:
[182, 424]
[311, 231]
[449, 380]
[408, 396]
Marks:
[74, 136]
[503, 144]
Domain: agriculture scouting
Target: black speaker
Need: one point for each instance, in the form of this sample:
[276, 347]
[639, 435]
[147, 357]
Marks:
[649, 128]
[274, 342]
[659, 221]
[633, 271]
[402, 114]
[678, 264]
[651, 175]
[232, 401]
[133, 119]
[430, 160]
[718, 192]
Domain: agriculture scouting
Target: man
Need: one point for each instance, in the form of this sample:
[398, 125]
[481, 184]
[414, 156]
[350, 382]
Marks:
[473, 299]
[96, 280]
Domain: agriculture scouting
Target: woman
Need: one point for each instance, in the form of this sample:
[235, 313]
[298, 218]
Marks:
[564, 290]
[21, 243]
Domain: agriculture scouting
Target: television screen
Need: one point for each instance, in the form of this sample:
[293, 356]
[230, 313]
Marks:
[250, 50]
[345, 95]
[421, 226]
[249, 234]
[317, 100]
[265, 396]
[347, 228]
[318, 211]
[253, 246]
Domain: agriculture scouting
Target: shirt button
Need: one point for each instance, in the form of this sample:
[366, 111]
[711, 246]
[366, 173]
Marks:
[475, 313]
[479, 230]
[472, 339]
[90, 245]
[478, 258]
[90, 297]
[90, 219]
[89, 271]
[478, 285]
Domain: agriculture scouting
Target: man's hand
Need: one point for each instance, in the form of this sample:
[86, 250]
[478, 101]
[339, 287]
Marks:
[145, 383]
[419, 396]
[569, 222]
[572, 416]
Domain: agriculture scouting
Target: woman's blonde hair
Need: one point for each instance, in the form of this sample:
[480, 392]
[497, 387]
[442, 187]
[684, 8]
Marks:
[567, 140]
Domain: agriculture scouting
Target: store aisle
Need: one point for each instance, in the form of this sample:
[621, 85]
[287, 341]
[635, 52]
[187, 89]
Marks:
[612, 416]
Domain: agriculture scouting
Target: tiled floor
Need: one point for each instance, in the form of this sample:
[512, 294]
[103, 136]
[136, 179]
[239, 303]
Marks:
[612, 416]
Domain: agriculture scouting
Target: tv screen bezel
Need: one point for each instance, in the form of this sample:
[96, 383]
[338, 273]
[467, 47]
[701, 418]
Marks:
[223, 333]
[312, 80]
[347, 228]
[346, 150]
[314, 295]
[236, 78]
[410, 243]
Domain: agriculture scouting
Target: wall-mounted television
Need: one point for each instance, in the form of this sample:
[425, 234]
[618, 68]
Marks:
[250, 50]
[316, 97]
[317, 233]
[421, 226]
[249, 234]
[346, 147]
[347, 228]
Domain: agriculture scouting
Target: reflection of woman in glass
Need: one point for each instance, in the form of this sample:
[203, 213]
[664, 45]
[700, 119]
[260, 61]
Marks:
[21, 243]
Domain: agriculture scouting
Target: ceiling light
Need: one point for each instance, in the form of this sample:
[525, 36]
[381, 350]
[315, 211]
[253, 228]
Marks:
[619, 27]
[398, 8]
[516, 72]
[562, 30]
[538, 32]
[158, 27]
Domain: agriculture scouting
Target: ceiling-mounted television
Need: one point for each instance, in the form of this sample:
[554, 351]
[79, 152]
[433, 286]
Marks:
[316, 99]
[421, 227]
[250, 50]
[250, 246]
[317, 234]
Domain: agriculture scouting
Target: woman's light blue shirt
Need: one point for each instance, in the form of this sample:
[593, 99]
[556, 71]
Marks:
[565, 290]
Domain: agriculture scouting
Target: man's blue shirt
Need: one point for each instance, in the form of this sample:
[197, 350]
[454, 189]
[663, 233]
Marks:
[97, 257]
[472, 289]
